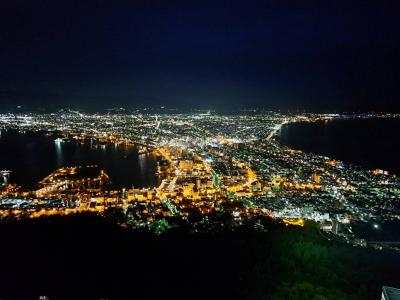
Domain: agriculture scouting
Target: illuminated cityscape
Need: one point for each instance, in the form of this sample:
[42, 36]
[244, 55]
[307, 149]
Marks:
[217, 149]
[207, 171]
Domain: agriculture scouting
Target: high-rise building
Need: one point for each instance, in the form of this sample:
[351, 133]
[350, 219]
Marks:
[316, 178]
[198, 184]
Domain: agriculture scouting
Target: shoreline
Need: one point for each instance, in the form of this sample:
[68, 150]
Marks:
[367, 166]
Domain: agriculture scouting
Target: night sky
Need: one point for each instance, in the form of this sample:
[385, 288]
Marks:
[325, 56]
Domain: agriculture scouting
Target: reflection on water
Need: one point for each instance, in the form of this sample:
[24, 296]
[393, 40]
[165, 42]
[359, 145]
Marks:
[32, 156]
[142, 163]
[59, 153]
[5, 179]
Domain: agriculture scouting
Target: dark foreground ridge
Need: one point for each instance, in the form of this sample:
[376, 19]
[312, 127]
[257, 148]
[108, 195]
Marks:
[88, 257]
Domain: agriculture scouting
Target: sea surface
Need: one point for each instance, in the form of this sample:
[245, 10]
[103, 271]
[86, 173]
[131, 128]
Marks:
[369, 143]
[31, 156]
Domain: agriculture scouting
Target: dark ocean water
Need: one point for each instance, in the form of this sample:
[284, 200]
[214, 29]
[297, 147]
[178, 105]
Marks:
[32, 156]
[384, 231]
[369, 143]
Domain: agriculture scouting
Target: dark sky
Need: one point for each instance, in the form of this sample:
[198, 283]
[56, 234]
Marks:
[313, 55]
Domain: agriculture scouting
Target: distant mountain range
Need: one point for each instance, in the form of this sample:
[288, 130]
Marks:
[12, 101]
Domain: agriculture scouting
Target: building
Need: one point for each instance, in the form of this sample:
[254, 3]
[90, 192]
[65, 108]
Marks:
[389, 293]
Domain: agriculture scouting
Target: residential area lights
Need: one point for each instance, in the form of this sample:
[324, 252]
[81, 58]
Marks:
[210, 165]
